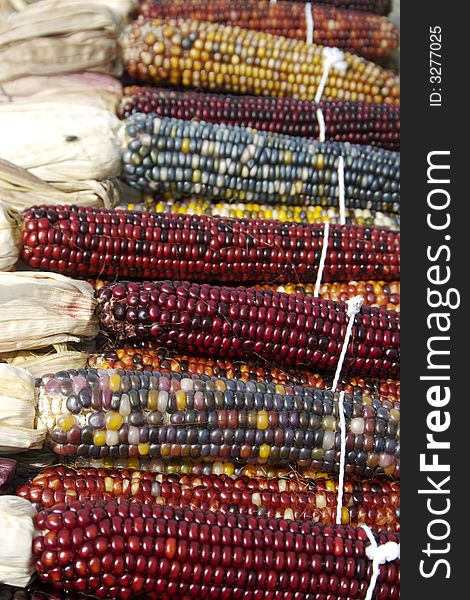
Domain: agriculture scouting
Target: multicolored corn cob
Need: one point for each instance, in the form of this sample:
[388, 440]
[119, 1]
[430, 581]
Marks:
[195, 158]
[375, 503]
[198, 467]
[380, 294]
[369, 35]
[98, 242]
[181, 467]
[129, 550]
[97, 414]
[237, 323]
[215, 57]
[354, 122]
[159, 359]
[278, 212]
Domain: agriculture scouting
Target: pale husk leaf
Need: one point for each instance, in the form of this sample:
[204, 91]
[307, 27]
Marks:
[19, 427]
[10, 237]
[42, 309]
[91, 88]
[17, 531]
[120, 8]
[58, 37]
[60, 142]
[21, 190]
[40, 363]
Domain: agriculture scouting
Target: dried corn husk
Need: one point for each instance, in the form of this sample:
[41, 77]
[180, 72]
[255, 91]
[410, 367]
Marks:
[17, 532]
[92, 88]
[53, 36]
[121, 8]
[21, 190]
[42, 309]
[40, 363]
[19, 426]
[10, 239]
[7, 7]
[61, 142]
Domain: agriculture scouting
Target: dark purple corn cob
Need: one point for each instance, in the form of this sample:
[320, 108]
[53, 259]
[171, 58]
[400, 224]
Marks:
[355, 122]
[287, 329]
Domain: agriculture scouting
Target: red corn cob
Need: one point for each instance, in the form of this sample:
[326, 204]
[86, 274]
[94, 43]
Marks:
[91, 242]
[374, 503]
[355, 122]
[130, 550]
[236, 323]
[377, 7]
[159, 359]
[369, 35]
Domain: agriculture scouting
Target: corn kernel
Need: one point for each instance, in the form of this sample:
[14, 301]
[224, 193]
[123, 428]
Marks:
[66, 422]
[113, 420]
[262, 421]
[115, 382]
[264, 451]
[99, 437]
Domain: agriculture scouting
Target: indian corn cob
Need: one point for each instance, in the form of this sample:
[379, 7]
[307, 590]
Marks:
[188, 467]
[278, 212]
[152, 551]
[376, 294]
[355, 122]
[98, 414]
[159, 359]
[239, 322]
[215, 57]
[369, 35]
[198, 467]
[377, 7]
[94, 242]
[234, 163]
[375, 503]
[380, 294]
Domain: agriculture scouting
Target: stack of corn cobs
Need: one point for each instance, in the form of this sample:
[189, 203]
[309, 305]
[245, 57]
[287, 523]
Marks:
[199, 300]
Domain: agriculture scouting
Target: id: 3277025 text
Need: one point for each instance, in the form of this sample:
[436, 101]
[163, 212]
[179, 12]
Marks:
[435, 66]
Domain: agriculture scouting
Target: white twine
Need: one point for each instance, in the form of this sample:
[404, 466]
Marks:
[321, 266]
[342, 458]
[379, 555]
[333, 58]
[273, 1]
[309, 22]
[321, 125]
[341, 192]
[354, 306]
